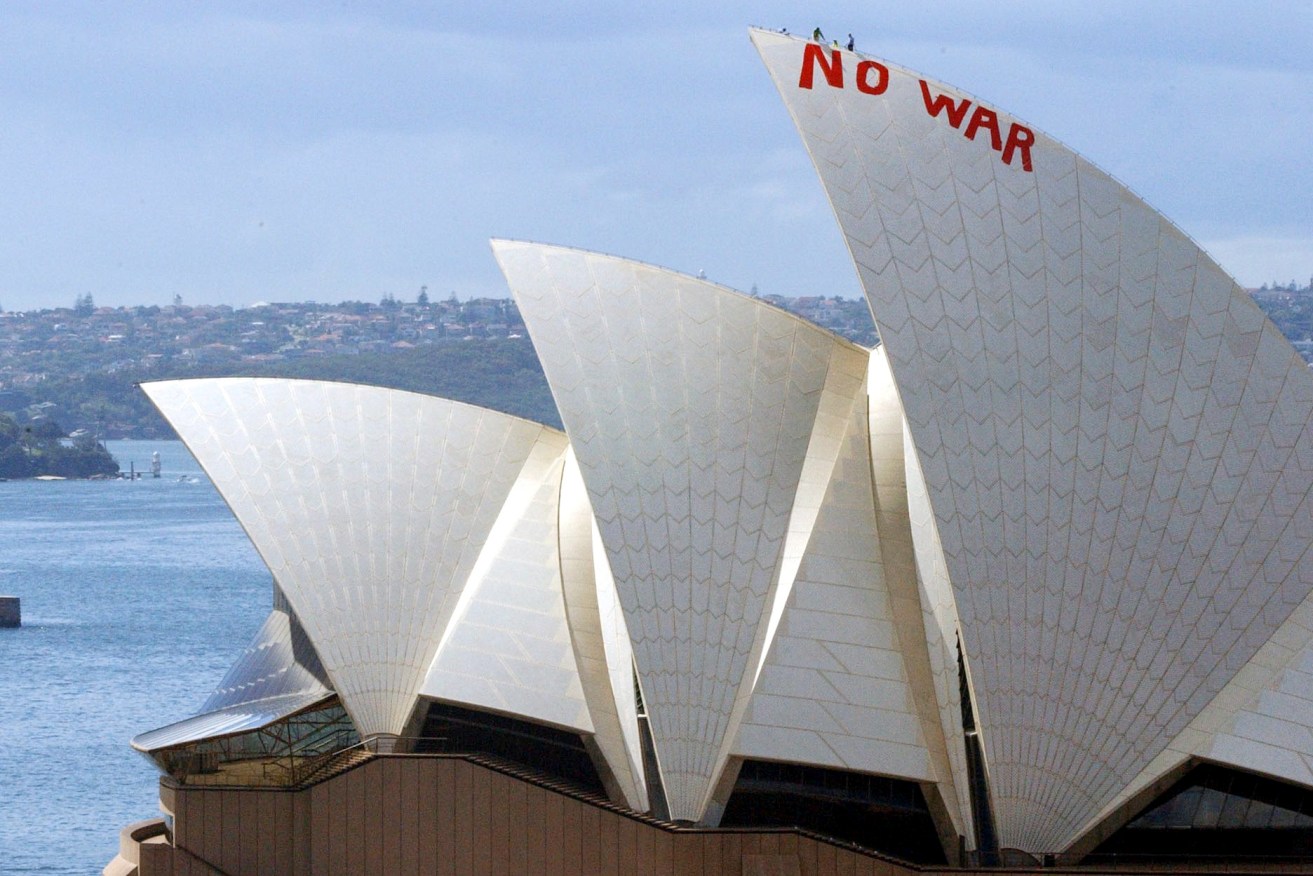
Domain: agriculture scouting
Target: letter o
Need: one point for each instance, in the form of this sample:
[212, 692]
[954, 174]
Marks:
[863, 77]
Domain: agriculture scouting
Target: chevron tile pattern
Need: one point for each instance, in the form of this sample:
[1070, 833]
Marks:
[602, 648]
[835, 689]
[370, 507]
[691, 410]
[1113, 439]
[507, 647]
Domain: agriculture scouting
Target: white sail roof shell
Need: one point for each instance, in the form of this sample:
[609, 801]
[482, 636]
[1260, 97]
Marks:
[1261, 722]
[1113, 438]
[280, 660]
[534, 629]
[708, 428]
[507, 645]
[602, 647]
[848, 682]
[370, 507]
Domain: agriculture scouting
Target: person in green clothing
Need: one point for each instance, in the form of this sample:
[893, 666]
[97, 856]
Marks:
[818, 36]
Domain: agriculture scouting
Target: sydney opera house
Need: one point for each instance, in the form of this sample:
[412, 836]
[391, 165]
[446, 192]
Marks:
[1026, 586]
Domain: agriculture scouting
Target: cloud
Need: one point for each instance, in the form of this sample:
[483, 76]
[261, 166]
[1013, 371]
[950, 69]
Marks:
[382, 146]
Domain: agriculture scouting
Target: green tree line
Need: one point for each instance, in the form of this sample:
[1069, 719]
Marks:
[502, 374]
[39, 449]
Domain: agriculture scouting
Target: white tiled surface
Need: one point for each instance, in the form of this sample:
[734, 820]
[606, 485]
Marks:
[844, 389]
[277, 674]
[1269, 728]
[836, 689]
[280, 660]
[601, 640]
[939, 619]
[922, 615]
[370, 507]
[691, 410]
[507, 646]
[1113, 439]
[1262, 721]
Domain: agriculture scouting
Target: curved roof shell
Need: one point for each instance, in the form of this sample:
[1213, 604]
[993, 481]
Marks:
[280, 660]
[708, 428]
[370, 506]
[601, 641]
[530, 636]
[507, 645]
[276, 675]
[848, 681]
[1113, 438]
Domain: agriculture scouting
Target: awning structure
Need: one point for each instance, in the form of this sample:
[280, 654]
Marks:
[241, 718]
[277, 675]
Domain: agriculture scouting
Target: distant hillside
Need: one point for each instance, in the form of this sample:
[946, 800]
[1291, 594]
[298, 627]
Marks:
[80, 365]
[500, 374]
[80, 368]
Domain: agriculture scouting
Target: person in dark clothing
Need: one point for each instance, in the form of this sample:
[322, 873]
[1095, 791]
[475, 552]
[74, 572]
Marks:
[818, 36]
[850, 42]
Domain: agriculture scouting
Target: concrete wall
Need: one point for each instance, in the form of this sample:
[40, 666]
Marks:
[413, 815]
[410, 815]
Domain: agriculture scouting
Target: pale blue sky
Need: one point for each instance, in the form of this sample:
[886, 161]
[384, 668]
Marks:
[237, 152]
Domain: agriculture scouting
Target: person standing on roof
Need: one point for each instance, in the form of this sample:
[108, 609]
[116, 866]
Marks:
[850, 42]
[818, 36]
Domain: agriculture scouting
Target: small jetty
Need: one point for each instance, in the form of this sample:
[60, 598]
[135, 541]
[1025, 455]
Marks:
[11, 612]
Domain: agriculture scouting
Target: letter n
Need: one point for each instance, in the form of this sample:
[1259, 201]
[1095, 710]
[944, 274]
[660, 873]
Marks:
[813, 56]
[956, 111]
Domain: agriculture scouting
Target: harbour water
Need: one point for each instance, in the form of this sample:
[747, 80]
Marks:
[136, 597]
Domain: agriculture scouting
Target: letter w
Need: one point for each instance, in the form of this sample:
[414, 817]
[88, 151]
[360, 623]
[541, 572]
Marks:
[956, 111]
[812, 57]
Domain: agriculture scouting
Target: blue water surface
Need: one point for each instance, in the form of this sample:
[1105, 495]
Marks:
[136, 596]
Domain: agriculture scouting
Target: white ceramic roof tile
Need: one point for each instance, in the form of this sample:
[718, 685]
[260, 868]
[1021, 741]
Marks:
[939, 612]
[601, 641]
[277, 674]
[691, 409]
[371, 539]
[1262, 721]
[1092, 402]
[841, 661]
[279, 661]
[508, 647]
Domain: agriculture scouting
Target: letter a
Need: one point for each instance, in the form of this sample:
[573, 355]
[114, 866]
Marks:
[812, 57]
[956, 111]
[983, 118]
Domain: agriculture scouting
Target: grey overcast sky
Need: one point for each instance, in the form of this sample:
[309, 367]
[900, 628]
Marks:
[238, 152]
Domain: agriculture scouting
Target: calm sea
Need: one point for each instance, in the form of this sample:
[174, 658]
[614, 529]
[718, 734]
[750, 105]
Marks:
[136, 598]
